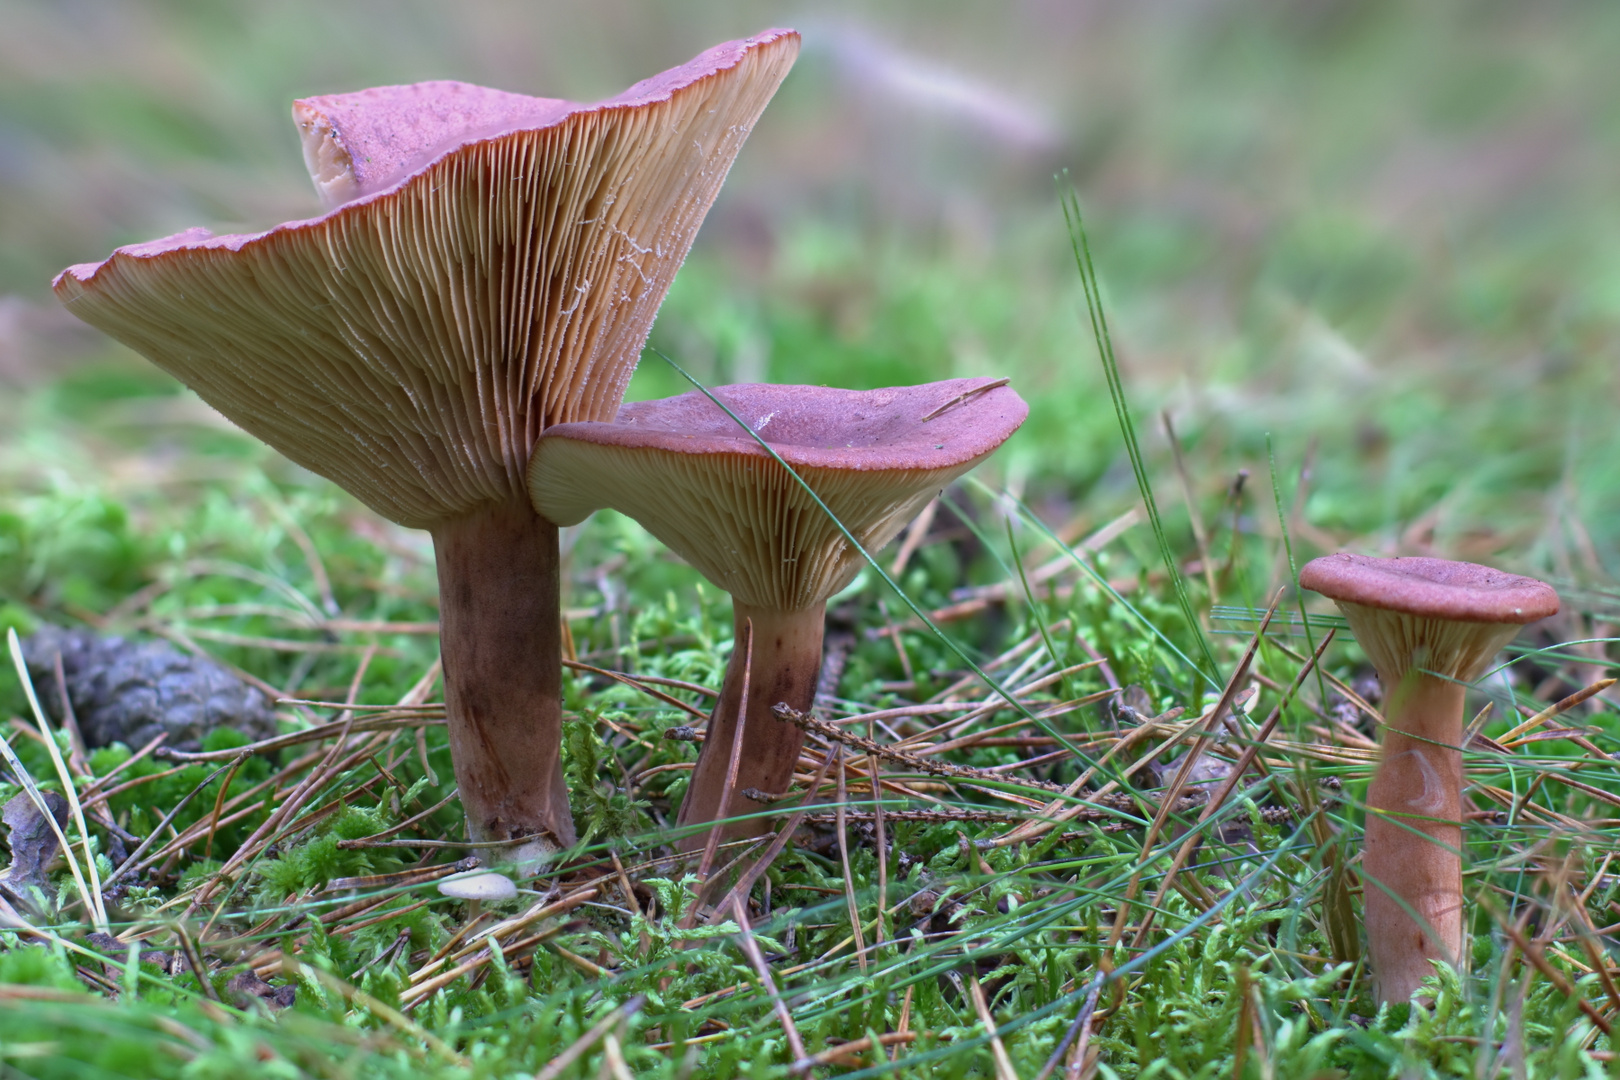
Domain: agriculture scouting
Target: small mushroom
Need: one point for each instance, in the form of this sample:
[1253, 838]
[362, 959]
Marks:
[708, 490]
[1430, 627]
[478, 885]
[492, 267]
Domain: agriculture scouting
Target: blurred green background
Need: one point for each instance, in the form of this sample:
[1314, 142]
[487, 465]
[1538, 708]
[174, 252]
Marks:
[1385, 234]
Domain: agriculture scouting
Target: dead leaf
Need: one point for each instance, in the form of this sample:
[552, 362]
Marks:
[33, 846]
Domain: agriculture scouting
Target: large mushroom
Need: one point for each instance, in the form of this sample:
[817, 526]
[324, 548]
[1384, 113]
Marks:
[684, 469]
[1430, 627]
[492, 267]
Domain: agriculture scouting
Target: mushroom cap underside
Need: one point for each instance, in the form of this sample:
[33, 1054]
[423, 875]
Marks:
[715, 497]
[1398, 643]
[412, 344]
[1431, 588]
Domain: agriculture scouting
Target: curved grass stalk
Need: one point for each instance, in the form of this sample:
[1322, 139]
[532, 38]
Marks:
[91, 891]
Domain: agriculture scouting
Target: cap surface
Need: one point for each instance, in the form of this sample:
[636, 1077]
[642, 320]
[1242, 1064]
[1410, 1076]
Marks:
[361, 143]
[709, 491]
[1431, 588]
[497, 273]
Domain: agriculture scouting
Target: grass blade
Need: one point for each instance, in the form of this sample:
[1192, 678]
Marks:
[1081, 244]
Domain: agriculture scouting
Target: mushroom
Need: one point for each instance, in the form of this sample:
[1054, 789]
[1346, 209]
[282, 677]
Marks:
[708, 490]
[495, 271]
[1430, 627]
[478, 885]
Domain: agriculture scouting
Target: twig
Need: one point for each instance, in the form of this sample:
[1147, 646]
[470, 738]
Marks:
[1214, 717]
[834, 1055]
[289, 808]
[913, 538]
[843, 857]
[1228, 785]
[882, 843]
[1532, 952]
[195, 960]
[1004, 1065]
[1081, 1028]
[1554, 710]
[745, 882]
[751, 947]
[733, 763]
[219, 806]
[613, 1058]
[810, 722]
[401, 717]
[636, 683]
[70, 722]
[92, 791]
[376, 839]
[965, 396]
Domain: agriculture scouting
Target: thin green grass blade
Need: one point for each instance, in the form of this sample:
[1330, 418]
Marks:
[1293, 564]
[1029, 595]
[1102, 583]
[1081, 244]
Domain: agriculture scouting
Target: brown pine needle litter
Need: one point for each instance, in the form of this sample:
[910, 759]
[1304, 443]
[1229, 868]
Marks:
[1194, 804]
[1171, 787]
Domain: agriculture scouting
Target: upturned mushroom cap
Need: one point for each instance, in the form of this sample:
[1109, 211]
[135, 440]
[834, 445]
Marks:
[709, 491]
[496, 271]
[1449, 617]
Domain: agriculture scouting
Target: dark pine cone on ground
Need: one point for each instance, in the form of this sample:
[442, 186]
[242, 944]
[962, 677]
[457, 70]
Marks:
[131, 691]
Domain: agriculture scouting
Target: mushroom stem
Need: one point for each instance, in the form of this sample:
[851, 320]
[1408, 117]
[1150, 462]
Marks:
[500, 636]
[786, 663]
[1413, 861]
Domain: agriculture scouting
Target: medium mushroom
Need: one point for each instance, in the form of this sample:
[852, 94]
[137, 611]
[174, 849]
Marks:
[495, 270]
[708, 490]
[1430, 627]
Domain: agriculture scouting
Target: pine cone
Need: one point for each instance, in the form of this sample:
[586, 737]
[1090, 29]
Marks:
[132, 691]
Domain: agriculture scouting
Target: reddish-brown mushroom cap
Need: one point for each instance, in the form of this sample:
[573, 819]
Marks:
[497, 273]
[1431, 588]
[1443, 616]
[693, 478]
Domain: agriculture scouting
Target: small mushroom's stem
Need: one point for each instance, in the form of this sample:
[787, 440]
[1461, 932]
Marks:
[787, 661]
[501, 639]
[1414, 836]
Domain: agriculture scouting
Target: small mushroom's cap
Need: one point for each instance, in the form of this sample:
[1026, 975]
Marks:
[494, 268]
[1431, 588]
[1435, 614]
[478, 885]
[708, 490]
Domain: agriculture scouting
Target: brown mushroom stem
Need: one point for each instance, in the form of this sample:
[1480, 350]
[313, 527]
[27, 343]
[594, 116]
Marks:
[1413, 862]
[501, 640]
[786, 664]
